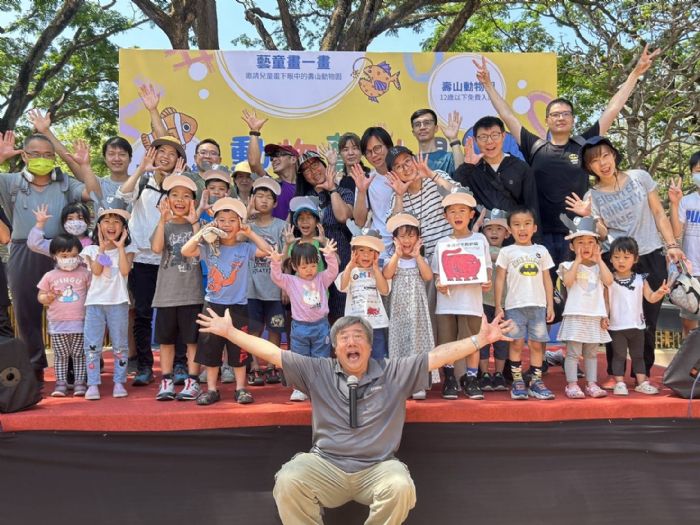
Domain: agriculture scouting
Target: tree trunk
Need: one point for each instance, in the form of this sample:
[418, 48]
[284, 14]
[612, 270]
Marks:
[206, 25]
[450, 35]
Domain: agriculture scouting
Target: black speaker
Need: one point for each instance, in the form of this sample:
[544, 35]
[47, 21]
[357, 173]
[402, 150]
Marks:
[678, 374]
[19, 388]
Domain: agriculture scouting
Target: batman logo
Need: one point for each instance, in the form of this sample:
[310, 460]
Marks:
[529, 269]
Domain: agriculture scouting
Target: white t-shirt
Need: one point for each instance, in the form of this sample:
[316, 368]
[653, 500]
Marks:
[464, 299]
[586, 297]
[363, 298]
[689, 215]
[524, 267]
[626, 302]
[379, 195]
[110, 287]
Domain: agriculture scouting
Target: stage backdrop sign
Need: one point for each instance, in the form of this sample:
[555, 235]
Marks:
[312, 98]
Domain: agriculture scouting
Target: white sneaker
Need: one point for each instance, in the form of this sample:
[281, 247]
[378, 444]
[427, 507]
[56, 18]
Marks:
[93, 393]
[190, 391]
[226, 374]
[119, 390]
[297, 395]
[646, 388]
[167, 390]
[620, 389]
[419, 396]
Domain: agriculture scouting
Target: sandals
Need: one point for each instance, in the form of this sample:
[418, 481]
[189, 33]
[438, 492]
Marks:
[594, 390]
[272, 375]
[256, 378]
[574, 392]
[208, 398]
[243, 396]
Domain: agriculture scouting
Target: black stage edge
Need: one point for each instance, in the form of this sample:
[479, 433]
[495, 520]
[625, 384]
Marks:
[588, 472]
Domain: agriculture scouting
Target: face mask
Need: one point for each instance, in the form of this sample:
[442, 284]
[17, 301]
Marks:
[75, 227]
[69, 264]
[213, 199]
[41, 166]
[696, 179]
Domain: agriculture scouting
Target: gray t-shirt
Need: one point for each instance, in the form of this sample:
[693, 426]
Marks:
[28, 198]
[109, 190]
[179, 278]
[381, 406]
[260, 285]
[626, 212]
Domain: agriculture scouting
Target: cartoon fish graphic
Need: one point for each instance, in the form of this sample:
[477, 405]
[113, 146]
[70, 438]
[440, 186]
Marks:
[376, 79]
[177, 125]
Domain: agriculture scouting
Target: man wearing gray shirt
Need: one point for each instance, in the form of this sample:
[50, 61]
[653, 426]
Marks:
[347, 463]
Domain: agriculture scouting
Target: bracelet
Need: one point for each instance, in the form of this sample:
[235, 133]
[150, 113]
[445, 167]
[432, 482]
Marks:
[455, 142]
[254, 133]
[334, 190]
[671, 245]
[434, 177]
[475, 342]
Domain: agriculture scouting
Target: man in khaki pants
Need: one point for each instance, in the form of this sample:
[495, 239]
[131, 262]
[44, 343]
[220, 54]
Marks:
[348, 463]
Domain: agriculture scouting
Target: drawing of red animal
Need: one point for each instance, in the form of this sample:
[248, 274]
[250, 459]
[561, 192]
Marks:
[216, 280]
[460, 266]
[372, 311]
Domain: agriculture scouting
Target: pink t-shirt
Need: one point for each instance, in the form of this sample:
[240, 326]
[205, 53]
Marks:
[70, 289]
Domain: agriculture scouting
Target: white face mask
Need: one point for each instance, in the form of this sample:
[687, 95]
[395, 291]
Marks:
[75, 227]
[68, 264]
[696, 179]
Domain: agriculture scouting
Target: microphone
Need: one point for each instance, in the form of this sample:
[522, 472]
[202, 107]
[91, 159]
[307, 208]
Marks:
[352, 387]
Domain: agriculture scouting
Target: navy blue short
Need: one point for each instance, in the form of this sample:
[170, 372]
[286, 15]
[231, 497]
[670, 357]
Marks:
[262, 314]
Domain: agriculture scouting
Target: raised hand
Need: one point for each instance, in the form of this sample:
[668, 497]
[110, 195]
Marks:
[148, 161]
[192, 215]
[675, 191]
[329, 182]
[321, 237]
[398, 249]
[179, 166]
[415, 252]
[288, 234]
[204, 203]
[121, 241]
[400, 187]
[42, 215]
[482, 72]
[41, 123]
[81, 155]
[330, 248]
[330, 153]
[275, 256]
[149, 96]
[101, 241]
[579, 255]
[479, 221]
[577, 205]
[421, 163]
[362, 182]
[470, 156]
[252, 120]
[166, 213]
[216, 324]
[451, 130]
[597, 256]
[7, 146]
[645, 61]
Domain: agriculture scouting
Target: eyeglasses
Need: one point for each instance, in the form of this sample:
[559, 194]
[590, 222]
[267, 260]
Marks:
[376, 150]
[426, 123]
[405, 166]
[207, 153]
[37, 155]
[493, 137]
[561, 114]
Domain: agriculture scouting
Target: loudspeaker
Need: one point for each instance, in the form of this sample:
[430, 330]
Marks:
[19, 388]
[677, 376]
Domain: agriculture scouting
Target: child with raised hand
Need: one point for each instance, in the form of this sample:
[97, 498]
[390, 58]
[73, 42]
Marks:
[523, 268]
[179, 295]
[627, 326]
[310, 332]
[585, 320]
[107, 303]
[364, 283]
[306, 226]
[63, 291]
[410, 330]
[227, 289]
[494, 226]
[460, 307]
[75, 218]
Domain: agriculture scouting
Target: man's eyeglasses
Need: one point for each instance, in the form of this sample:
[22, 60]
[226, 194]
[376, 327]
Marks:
[492, 137]
[37, 155]
[376, 150]
[417, 124]
[207, 153]
[561, 114]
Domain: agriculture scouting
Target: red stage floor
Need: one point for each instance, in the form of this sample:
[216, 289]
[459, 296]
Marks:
[141, 412]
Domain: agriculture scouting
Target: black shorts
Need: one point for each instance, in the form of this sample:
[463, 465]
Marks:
[172, 321]
[210, 347]
[263, 314]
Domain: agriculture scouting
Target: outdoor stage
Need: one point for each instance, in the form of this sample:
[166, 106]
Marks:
[616, 460]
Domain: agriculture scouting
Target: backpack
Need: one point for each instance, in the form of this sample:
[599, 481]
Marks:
[685, 289]
[540, 143]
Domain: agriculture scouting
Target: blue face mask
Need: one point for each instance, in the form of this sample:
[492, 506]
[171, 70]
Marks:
[696, 179]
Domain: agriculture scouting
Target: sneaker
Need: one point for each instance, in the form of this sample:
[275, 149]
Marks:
[594, 390]
[450, 388]
[499, 382]
[144, 376]
[92, 393]
[132, 367]
[609, 384]
[79, 389]
[243, 397]
[180, 375]
[272, 375]
[203, 377]
[227, 374]
[486, 382]
[298, 395]
[470, 386]
[554, 357]
[119, 390]
[538, 390]
[60, 389]
[574, 392]
[646, 388]
[419, 396]
[620, 389]
[190, 392]
[208, 398]
[167, 390]
[518, 390]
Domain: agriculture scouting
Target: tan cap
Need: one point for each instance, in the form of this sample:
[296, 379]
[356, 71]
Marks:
[369, 241]
[234, 205]
[114, 211]
[170, 141]
[172, 181]
[269, 183]
[242, 167]
[459, 197]
[401, 219]
[216, 175]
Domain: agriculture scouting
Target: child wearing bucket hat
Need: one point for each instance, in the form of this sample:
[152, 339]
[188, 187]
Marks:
[585, 318]
[306, 226]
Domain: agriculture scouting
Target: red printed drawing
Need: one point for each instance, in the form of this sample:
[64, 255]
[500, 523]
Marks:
[460, 266]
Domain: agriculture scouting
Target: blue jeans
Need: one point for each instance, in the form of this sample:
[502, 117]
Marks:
[116, 318]
[380, 349]
[311, 339]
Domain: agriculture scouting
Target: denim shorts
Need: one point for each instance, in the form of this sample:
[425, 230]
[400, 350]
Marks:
[530, 321]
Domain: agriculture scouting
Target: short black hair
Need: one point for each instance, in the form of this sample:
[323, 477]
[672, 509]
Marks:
[524, 210]
[37, 136]
[206, 182]
[207, 141]
[268, 190]
[420, 112]
[694, 160]
[194, 193]
[488, 122]
[304, 252]
[405, 228]
[119, 143]
[64, 242]
[626, 245]
[125, 224]
[75, 207]
[348, 137]
[380, 134]
[559, 101]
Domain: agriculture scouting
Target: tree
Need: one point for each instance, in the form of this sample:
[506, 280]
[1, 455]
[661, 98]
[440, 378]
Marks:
[184, 21]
